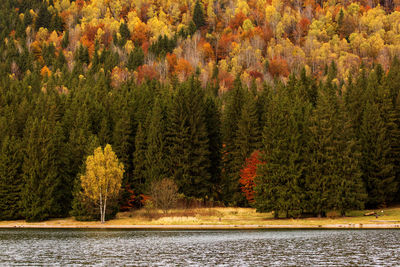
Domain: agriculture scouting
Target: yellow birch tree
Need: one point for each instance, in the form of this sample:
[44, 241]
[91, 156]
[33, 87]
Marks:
[103, 177]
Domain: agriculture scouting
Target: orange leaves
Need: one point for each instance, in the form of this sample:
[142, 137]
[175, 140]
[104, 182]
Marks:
[45, 71]
[207, 50]
[183, 68]
[237, 21]
[303, 25]
[141, 33]
[278, 67]
[146, 72]
[247, 175]
[224, 45]
[172, 61]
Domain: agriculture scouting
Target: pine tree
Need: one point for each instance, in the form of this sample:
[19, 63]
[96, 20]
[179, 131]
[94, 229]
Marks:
[47, 191]
[247, 140]
[280, 181]
[156, 153]
[230, 117]
[10, 179]
[122, 143]
[213, 124]
[125, 33]
[138, 179]
[43, 18]
[136, 59]
[377, 167]
[198, 15]
[188, 141]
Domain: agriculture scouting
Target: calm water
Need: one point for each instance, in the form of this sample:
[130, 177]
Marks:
[224, 248]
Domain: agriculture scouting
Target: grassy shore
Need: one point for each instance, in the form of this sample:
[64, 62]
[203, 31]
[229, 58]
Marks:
[222, 218]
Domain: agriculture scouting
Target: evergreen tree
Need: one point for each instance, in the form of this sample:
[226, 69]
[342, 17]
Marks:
[351, 192]
[65, 40]
[230, 117]
[47, 191]
[198, 15]
[125, 33]
[136, 59]
[156, 153]
[138, 179]
[43, 18]
[213, 124]
[10, 179]
[188, 141]
[247, 140]
[377, 167]
[280, 181]
[122, 143]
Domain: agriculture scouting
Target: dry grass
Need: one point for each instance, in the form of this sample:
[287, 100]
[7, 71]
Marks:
[218, 216]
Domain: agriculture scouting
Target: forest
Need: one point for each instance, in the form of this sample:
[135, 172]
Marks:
[283, 105]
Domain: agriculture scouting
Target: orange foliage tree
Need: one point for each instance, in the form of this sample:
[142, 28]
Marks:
[183, 68]
[247, 175]
[278, 67]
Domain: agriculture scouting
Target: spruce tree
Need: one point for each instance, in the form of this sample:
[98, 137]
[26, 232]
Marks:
[135, 59]
[280, 181]
[187, 137]
[47, 191]
[377, 166]
[138, 179]
[11, 183]
[156, 153]
[198, 15]
[213, 125]
[246, 141]
[43, 18]
[230, 117]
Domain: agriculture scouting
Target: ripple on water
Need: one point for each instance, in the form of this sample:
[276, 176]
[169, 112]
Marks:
[193, 248]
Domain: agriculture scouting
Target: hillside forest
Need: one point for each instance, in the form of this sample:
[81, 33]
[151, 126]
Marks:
[283, 105]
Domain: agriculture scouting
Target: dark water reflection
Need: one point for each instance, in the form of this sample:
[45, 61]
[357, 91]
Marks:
[204, 248]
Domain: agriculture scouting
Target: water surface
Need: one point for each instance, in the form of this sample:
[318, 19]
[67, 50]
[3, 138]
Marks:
[204, 248]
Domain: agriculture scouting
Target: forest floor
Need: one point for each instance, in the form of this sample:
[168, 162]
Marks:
[222, 218]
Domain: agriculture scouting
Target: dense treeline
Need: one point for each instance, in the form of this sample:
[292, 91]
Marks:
[326, 140]
[324, 146]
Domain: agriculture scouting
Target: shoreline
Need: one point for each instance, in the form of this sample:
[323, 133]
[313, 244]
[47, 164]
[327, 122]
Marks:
[201, 227]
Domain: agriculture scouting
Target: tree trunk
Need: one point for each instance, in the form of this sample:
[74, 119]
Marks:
[101, 208]
[276, 214]
[104, 211]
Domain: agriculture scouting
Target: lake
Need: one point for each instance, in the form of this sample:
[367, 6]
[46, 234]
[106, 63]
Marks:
[192, 248]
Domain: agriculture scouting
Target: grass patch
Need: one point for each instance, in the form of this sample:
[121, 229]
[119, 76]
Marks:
[222, 216]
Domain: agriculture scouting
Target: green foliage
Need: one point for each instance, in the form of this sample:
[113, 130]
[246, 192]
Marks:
[198, 15]
[136, 59]
[188, 153]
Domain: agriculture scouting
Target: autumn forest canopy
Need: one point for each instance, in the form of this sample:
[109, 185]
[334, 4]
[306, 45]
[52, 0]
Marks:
[285, 106]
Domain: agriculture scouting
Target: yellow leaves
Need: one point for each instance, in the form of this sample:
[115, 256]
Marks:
[54, 38]
[353, 9]
[158, 27]
[271, 15]
[247, 25]
[103, 175]
[42, 34]
[243, 7]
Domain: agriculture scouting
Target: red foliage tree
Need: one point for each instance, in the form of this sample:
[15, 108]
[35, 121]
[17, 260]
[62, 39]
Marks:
[237, 20]
[146, 72]
[277, 67]
[130, 200]
[247, 175]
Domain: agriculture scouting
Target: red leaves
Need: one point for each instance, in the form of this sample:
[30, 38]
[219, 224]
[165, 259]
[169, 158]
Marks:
[237, 21]
[247, 175]
[146, 72]
[278, 67]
